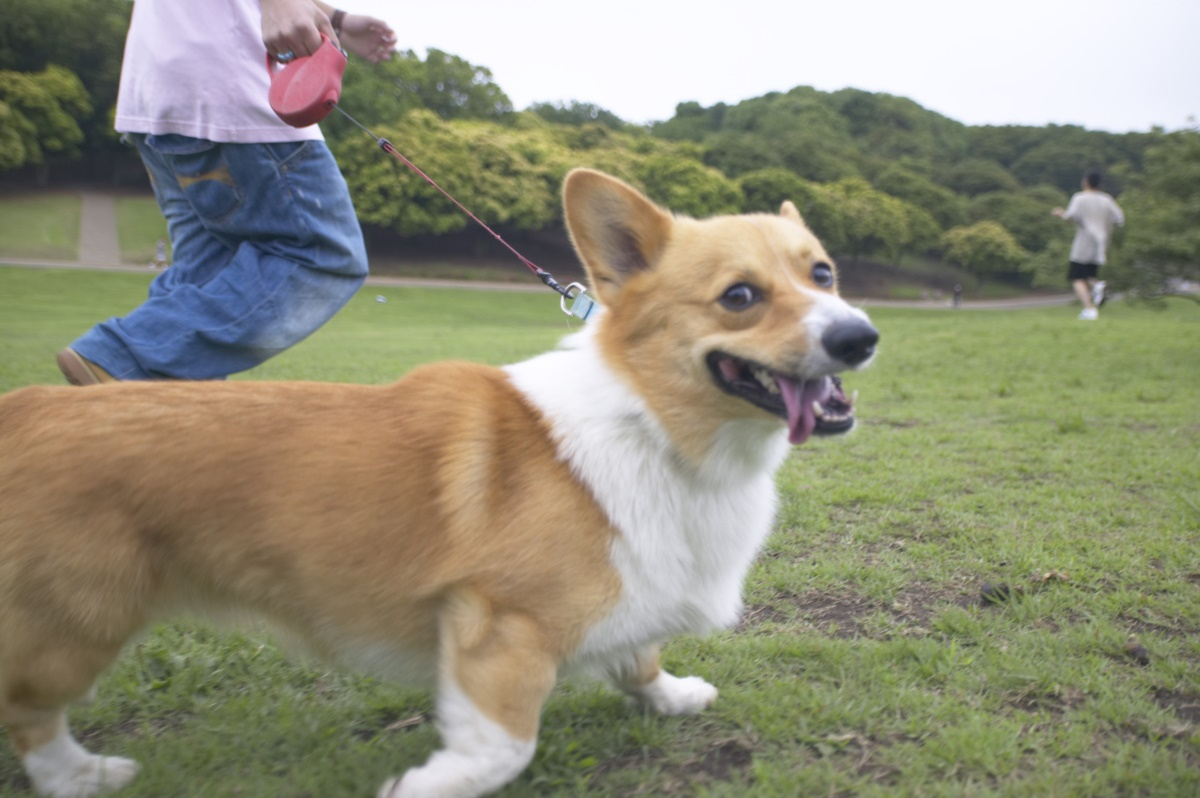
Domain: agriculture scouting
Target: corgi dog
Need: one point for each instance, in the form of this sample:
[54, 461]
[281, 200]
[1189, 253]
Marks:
[482, 530]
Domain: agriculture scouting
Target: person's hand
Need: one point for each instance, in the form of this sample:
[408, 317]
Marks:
[368, 37]
[294, 27]
[1057, 212]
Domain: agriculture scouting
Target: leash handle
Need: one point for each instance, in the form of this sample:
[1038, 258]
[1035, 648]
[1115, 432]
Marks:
[304, 91]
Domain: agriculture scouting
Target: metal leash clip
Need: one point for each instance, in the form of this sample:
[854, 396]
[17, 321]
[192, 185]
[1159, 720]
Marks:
[582, 305]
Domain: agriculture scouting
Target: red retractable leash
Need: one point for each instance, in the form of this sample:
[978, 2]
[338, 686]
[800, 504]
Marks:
[306, 89]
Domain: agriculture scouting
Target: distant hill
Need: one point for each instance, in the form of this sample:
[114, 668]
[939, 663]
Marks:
[825, 136]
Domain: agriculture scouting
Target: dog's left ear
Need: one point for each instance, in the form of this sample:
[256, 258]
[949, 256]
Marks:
[788, 210]
[616, 230]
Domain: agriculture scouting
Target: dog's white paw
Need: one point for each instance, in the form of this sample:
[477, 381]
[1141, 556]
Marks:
[451, 774]
[94, 776]
[436, 782]
[671, 695]
[433, 782]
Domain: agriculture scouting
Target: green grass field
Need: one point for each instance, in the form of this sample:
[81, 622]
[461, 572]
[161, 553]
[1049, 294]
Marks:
[44, 225]
[140, 226]
[1058, 458]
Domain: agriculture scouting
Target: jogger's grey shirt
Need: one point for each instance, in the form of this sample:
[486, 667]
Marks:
[1094, 214]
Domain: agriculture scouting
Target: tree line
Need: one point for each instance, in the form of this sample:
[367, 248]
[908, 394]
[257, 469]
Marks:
[876, 176]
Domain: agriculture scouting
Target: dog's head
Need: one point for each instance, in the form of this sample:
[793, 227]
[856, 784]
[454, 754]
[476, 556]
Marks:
[727, 318]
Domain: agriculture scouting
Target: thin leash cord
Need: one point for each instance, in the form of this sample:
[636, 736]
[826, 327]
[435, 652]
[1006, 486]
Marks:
[386, 146]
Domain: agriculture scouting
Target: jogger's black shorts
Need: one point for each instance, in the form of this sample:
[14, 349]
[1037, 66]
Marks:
[1082, 271]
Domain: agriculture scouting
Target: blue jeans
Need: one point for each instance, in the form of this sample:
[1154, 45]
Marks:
[267, 248]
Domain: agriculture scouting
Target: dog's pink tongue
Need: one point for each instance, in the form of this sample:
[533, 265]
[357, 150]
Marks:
[798, 398]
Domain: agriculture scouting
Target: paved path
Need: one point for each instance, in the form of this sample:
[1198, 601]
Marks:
[99, 249]
[534, 287]
[98, 245]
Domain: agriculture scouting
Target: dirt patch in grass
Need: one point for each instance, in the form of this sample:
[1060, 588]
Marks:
[1186, 706]
[635, 760]
[1056, 703]
[722, 760]
[622, 762]
[759, 614]
[94, 737]
[848, 616]
[838, 616]
[1142, 626]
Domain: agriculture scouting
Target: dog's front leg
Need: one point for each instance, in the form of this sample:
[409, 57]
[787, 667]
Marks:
[644, 679]
[495, 675]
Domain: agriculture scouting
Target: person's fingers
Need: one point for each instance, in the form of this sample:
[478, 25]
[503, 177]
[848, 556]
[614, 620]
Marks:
[295, 35]
[368, 37]
[324, 26]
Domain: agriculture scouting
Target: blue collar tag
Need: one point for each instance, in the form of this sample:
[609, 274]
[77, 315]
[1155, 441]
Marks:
[582, 305]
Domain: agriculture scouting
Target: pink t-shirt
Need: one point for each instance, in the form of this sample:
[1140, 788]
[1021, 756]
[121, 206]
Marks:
[198, 68]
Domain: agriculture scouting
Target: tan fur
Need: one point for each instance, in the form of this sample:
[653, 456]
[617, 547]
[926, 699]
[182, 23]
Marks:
[427, 526]
[670, 274]
[644, 670]
[339, 512]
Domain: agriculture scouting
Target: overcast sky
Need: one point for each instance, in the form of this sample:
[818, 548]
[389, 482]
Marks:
[1116, 65]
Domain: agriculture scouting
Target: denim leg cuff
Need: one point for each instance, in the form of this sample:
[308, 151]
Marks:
[267, 248]
[105, 350]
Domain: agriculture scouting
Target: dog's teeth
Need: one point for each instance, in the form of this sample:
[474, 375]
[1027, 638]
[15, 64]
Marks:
[766, 379]
[818, 411]
[833, 418]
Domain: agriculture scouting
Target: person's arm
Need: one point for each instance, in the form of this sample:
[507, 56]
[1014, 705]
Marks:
[1118, 214]
[1071, 214]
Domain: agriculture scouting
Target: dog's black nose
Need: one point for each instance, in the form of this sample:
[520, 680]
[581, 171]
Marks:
[851, 342]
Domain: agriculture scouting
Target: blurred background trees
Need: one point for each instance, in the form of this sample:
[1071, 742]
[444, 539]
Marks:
[1161, 250]
[984, 249]
[59, 65]
[876, 176]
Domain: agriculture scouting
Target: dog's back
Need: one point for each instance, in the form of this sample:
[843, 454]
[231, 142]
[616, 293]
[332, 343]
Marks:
[298, 501]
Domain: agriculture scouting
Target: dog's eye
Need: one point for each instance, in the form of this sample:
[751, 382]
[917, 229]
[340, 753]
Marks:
[740, 297]
[822, 275]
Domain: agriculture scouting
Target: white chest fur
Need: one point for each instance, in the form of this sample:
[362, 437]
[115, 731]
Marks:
[687, 534]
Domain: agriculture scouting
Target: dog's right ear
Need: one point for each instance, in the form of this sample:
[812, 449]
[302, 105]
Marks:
[616, 230]
[788, 210]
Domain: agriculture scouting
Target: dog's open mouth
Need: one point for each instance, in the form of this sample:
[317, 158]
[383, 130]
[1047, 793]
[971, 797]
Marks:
[811, 406]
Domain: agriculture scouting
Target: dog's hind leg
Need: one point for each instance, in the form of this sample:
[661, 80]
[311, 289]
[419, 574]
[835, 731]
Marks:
[495, 675]
[32, 709]
[644, 679]
[60, 767]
